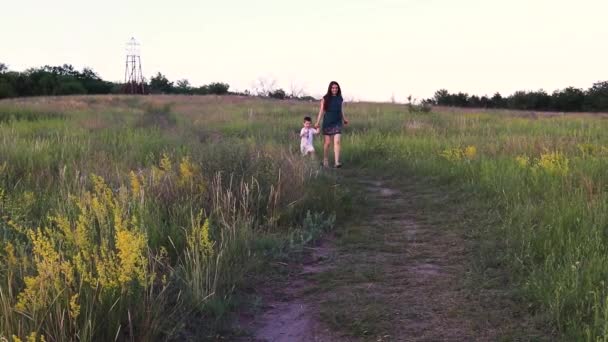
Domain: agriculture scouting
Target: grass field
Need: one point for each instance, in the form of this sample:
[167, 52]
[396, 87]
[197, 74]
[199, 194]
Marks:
[139, 218]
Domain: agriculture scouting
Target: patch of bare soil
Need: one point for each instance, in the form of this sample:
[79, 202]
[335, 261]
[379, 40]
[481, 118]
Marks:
[289, 312]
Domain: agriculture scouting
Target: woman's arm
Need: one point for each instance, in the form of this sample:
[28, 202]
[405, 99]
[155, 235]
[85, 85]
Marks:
[320, 116]
[344, 116]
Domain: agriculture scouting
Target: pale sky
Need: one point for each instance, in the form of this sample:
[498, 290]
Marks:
[374, 48]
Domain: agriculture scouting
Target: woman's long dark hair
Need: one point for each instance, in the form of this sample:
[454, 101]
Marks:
[327, 97]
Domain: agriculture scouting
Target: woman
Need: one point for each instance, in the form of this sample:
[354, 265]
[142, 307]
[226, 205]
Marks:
[332, 113]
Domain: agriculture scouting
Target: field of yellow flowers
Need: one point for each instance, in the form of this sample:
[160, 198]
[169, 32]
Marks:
[122, 218]
[137, 218]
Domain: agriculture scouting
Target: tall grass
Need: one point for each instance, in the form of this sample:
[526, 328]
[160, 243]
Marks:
[545, 175]
[130, 220]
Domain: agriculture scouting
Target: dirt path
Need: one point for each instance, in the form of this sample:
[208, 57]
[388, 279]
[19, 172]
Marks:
[396, 275]
[291, 313]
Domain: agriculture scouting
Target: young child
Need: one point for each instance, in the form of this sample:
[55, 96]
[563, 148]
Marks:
[306, 135]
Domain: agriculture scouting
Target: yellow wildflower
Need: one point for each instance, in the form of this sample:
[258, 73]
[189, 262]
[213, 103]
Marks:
[589, 149]
[17, 227]
[33, 337]
[452, 154]
[27, 199]
[99, 209]
[165, 163]
[107, 269]
[64, 227]
[74, 307]
[522, 161]
[186, 171]
[81, 263]
[123, 196]
[470, 152]
[131, 246]
[157, 175]
[11, 259]
[53, 274]
[135, 185]
[554, 163]
[199, 237]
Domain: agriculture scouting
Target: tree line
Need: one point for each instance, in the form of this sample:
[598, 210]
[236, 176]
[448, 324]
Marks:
[66, 80]
[571, 99]
[51, 80]
[159, 84]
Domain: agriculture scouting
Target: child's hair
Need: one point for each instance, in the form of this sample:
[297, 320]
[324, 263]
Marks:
[307, 119]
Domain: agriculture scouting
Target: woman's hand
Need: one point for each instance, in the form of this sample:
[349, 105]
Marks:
[317, 125]
[345, 122]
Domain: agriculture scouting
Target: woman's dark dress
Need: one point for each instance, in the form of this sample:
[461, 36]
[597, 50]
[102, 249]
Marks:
[332, 119]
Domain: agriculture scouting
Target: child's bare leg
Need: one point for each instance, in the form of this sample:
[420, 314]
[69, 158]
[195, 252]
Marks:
[326, 144]
[337, 149]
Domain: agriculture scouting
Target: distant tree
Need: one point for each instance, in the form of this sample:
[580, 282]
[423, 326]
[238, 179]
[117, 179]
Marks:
[3, 68]
[461, 100]
[497, 101]
[532, 100]
[183, 87]
[61, 70]
[88, 73]
[428, 102]
[117, 88]
[202, 90]
[596, 97]
[46, 83]
[474, 101]
[23, 84]
[568, 100]
[6, 89]
[485, 102]
[519, 100]
[70, 88]
[277, 94]
[442, 97]
[93, 83]
[159, 84]
[308, 98]
[541, 100]
[218, 88]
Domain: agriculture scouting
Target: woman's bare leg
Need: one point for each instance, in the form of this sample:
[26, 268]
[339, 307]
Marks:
[326, 144]
[337, 149]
